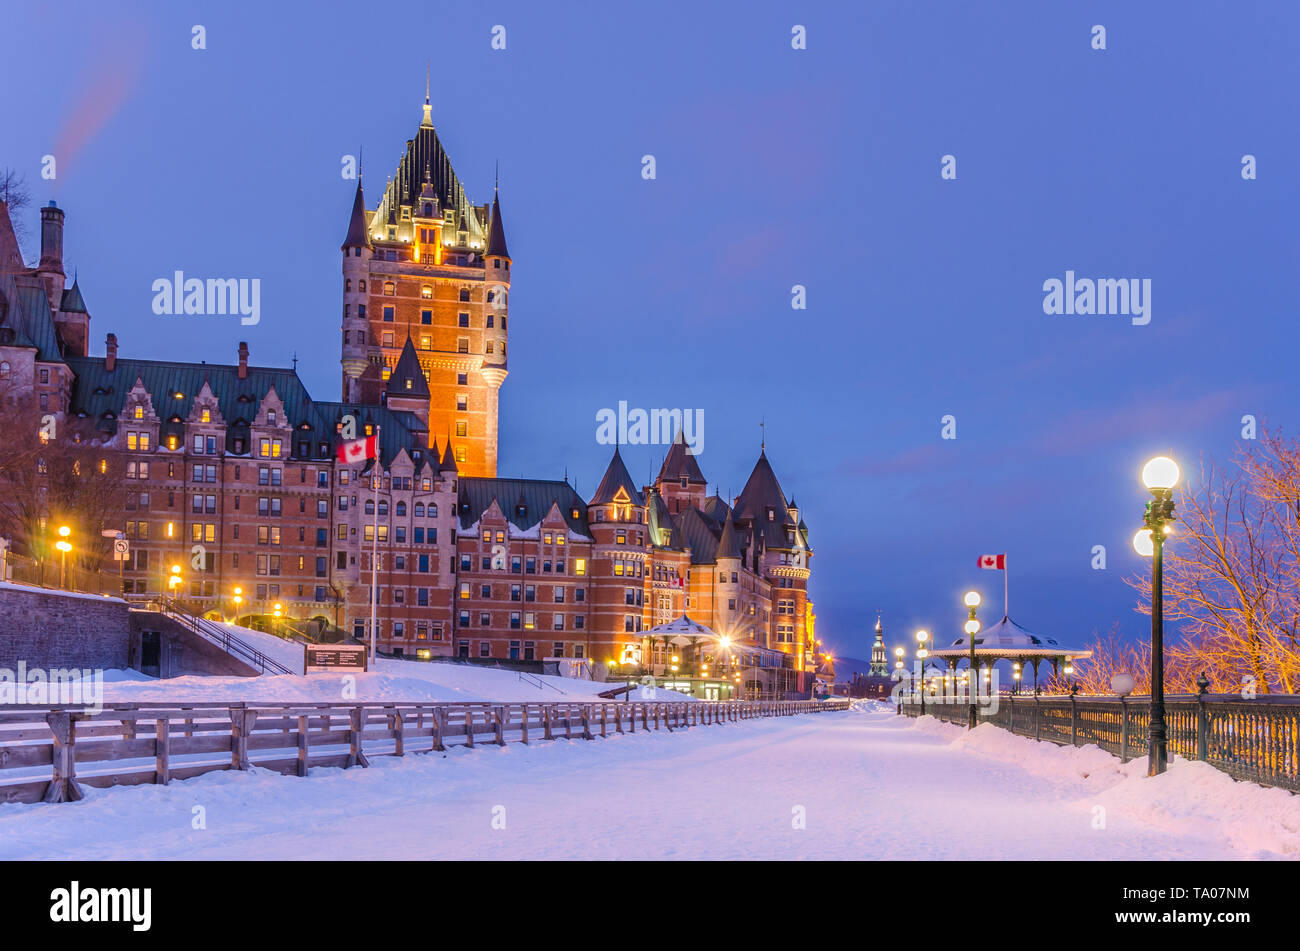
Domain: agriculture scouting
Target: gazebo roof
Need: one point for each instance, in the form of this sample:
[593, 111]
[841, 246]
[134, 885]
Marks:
[1009, 639]
[681, 630]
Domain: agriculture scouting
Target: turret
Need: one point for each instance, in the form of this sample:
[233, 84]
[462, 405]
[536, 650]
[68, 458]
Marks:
[357, 252]
[72, 320]
[50, 267]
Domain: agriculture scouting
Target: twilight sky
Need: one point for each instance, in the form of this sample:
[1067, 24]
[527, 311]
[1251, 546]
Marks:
[775, 167]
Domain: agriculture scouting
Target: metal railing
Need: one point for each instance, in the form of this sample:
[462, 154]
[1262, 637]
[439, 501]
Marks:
[49, 753]
[221, 636]
[1255, 740]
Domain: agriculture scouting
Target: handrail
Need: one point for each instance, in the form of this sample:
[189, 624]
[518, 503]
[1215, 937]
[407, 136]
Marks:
[537, 681]
[188, 739]
[1256, 740]
[223, 638]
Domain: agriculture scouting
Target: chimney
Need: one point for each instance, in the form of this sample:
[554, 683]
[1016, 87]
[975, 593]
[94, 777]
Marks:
[52, 238]
[110, 349]
[243, 359]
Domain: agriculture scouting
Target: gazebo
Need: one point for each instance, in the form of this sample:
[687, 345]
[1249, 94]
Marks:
[695, 659]
[1008, 641]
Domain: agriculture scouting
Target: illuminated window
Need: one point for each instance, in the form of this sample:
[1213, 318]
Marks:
[462, 428]
[580, 566]
[139, 412]
[460, 453]
[426, 342]
[205, 416]
[426, 292]
[390, 289]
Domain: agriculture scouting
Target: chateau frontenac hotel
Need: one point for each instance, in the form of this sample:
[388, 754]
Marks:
[231, 470]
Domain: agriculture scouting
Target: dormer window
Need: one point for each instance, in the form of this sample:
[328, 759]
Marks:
[139, 412]
[771, 514]
[205, 416]
[270, 418]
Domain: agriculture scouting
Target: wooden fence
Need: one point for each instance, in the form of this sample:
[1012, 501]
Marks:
[1256, 740]
[48, 754]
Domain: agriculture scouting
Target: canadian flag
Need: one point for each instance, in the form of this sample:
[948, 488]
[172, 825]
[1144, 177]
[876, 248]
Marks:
[359, 449]
[997, 562]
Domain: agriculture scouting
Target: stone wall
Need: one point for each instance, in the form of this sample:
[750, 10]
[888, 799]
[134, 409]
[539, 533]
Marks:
[49, 629]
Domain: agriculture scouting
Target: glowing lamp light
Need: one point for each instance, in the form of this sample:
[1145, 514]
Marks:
[63, 546]
[1160, 473]
[1142, 543]
[725, 641]
[972, 626]
[922, 636]
[64, 531]
[972, 599]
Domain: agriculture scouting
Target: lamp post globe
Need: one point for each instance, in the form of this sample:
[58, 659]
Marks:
[1160, 473]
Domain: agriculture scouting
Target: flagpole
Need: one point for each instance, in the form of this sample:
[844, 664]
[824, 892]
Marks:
[1005, 572]
[374, 552]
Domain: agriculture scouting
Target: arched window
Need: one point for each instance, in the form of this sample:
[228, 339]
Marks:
[4, 370]
[362, 285]
[401, 508]
[347, 284]
[419, 510]
[383, 507]
[390, 289]
[433, 510]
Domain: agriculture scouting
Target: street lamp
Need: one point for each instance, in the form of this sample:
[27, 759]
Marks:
[64, 546]
[238, 599]
[972, 600]
[175, 578]
[1160, 475]
[921, 655]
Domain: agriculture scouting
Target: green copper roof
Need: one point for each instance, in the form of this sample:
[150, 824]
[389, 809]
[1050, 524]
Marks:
[535, 495]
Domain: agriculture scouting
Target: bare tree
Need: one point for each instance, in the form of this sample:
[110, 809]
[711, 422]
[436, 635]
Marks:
[17, 198]
[1232, 567]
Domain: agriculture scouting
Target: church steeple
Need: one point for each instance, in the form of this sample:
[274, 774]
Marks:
[879, 657]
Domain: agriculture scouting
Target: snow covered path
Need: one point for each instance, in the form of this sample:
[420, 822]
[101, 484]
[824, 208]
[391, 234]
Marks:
[870, 784]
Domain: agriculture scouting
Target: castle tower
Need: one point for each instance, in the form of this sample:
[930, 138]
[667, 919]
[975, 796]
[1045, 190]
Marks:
[428, 266]
[50, 267]
[616, 518]
[680, 481]
[357, 253]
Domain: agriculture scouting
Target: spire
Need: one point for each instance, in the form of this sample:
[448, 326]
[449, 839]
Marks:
[407, 379]
[497, 232]
[680, 462]
[358, 233]
[73, 302]
[880, 628]
[427, 121]
[616, 478]
[448, 459]
[728, 545]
